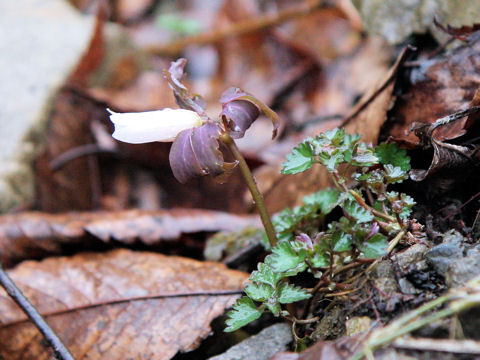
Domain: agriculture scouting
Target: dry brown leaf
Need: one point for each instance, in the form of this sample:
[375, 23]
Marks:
[117, 305]
[32, 234]
[438, 87]
[76, 186]
[94, 54]
[340, 349]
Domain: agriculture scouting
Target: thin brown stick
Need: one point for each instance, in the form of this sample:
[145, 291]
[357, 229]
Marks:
[60, 350]
[239, 28]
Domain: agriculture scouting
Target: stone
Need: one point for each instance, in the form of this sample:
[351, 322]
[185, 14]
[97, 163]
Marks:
[442, 256]
[413, 258]
[396, 20]
[357, 325]
[40, 43]
[460, 272]
[262, 346]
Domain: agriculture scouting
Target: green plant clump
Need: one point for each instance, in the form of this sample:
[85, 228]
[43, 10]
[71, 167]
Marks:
[373, 221]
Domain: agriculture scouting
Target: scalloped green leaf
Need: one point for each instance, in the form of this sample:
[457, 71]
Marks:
[319, 258]
[284, 258]
[300, 159]
[288, 293]
[360, 214]
[326, 200]
[244, 312]
[375, 247]
[258, 292]
[266, 275]
[394, 174]
[391, 154]
[341, 241]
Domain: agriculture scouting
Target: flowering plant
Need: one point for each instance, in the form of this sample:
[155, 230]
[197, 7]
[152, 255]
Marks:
[196, 137]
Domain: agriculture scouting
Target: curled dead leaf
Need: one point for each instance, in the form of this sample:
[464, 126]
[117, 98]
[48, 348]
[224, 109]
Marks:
[31, 234]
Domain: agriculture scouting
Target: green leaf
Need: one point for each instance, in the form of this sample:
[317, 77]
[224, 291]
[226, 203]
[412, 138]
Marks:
[284, 258]
[296, 270]
[357, 212]
[341, 241]
[331, 160]
[375, 247]
[326, 200]
[273, 305]
[394, 174]
[288, 293]
[284, 221]
[365, 159]
[300, 159]
[266, 275]
[258, 292]
[319, 258]
[244, 311]
[391, 154]
[334, 136]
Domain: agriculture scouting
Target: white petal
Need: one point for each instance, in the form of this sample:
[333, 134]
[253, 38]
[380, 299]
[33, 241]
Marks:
[149, 126]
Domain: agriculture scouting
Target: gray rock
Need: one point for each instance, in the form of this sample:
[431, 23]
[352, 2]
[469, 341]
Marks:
[460, 272]
[412, 258]
[261, 346]
[396, 20]
[442, 256]
[40, 42]
[407, 288]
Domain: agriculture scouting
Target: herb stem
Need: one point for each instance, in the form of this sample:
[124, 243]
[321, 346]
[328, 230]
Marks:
[252, 186]
[363, 204]
[60, 350]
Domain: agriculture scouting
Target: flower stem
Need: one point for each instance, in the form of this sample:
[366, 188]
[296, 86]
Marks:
[252, 186]
[60, 350]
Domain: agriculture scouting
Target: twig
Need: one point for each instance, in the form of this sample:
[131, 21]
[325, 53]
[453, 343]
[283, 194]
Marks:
[76, 152]
[239, 28]
[444, 345]
[60, 350]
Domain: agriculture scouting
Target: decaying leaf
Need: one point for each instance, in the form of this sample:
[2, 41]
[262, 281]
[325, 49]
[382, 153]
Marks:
[117, 305]
[438, 87]
[340, 349]
[32, 235]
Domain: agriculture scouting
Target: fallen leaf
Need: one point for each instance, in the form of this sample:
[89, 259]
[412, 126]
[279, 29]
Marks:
[117, 305]
[76, 185]
[437, 87]
[461, 32]
[32, 234]
[340, 349]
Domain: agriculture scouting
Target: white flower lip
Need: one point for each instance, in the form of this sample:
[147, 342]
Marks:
[159, 125]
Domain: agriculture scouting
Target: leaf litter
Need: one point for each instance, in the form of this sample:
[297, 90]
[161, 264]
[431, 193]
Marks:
[313, 86]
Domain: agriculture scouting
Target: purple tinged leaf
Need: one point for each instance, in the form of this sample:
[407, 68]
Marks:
[183, 97]
[240, 110]
[196, 152]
